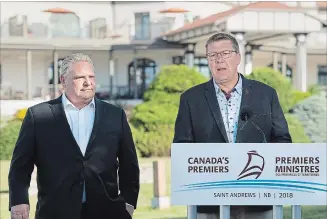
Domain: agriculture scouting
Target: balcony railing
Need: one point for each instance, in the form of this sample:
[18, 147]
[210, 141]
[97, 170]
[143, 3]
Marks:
[125, 33]
[148, 31]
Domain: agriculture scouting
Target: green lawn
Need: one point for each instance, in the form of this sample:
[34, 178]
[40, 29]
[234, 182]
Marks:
[144, 210]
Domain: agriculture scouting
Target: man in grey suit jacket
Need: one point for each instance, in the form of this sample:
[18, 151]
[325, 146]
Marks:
[219, 111]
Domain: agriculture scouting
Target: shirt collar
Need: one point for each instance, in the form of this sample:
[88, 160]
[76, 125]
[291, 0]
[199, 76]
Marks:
[66, 103]
[238, 86]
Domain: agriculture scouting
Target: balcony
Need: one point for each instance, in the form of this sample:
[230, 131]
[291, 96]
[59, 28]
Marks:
[70, 27]
[149, 32]
[58, 26]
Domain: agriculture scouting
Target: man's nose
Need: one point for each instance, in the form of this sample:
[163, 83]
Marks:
[219, 59]
[87, 81]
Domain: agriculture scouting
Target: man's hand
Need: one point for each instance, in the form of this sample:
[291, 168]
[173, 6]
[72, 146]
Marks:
[130, 209]
[20, 211]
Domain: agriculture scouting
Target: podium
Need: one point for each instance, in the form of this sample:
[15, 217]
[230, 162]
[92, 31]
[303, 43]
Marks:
[248, 174]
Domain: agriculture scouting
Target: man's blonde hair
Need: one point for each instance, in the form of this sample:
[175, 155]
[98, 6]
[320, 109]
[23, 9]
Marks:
[71, 59]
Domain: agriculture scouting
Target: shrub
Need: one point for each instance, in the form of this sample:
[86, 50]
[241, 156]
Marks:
[288, 98]
[315, 89]
[20, 114]
[9, 135]
[312, 113]
[312, 90]
[287, 95]
[171, 82]
[296, 129]
[152, 122]
[299, 96]
[155, 142]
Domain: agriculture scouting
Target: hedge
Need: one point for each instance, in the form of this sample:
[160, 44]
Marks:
[312, 113]
[9, 135]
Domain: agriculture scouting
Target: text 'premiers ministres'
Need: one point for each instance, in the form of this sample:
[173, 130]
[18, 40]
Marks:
[297, 166]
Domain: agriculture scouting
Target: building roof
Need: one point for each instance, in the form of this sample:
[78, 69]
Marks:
[158, 44]
[173, 10]
[322, 4]
[215, 17]
[269, 5]
[59, 11]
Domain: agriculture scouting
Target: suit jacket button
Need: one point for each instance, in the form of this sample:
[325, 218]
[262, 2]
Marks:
[84, 162]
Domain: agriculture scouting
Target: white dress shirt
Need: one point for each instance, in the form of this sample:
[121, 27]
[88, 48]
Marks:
[81, 123]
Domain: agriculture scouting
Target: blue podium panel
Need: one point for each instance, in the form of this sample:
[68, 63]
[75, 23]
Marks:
[249, 174]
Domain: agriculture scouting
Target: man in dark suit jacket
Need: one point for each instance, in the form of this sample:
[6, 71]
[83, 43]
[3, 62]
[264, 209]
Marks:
[78, 144]
[230, 109]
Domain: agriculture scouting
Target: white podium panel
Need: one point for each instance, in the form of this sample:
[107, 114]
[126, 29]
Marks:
[249, 174]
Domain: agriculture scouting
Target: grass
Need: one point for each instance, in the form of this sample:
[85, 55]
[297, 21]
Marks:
[4, 120]
[144, 210]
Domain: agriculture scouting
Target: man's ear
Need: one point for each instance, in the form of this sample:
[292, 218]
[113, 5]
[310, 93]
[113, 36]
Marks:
[239, 58]
[62, 80]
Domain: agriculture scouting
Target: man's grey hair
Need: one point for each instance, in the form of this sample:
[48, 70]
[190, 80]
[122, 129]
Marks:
[71, 59]
[224, 36]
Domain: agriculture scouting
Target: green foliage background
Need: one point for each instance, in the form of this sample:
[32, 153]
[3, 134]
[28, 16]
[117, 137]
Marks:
[153, 121]
[9, 135]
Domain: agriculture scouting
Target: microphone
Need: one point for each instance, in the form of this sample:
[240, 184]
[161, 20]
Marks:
[246, 115]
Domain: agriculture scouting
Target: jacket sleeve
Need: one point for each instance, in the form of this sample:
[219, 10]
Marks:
[22, 162]
[280, 132]
[129, 172]
[183, 124]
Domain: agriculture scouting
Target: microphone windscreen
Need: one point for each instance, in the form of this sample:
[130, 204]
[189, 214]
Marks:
[246, 113]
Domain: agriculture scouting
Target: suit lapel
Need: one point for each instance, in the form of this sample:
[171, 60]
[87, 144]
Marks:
[245, 101]
[59, 114]
[97, 119]
[211, 97]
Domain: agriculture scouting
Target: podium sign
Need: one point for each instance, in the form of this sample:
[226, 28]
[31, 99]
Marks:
[249, 174]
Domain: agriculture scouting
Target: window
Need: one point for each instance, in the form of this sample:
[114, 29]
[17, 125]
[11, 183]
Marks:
[200, 64]
[142, 26]
[51, 71]
[145, 74]
[65, 25]
[322, 74]
[179, 60]
[289, 70]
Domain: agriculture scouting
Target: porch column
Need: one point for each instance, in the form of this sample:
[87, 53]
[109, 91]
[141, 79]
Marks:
[275, 60]
[248, 59]
[29, 74]
[0, 75]
[190, 54]
[135, 75]
[284, 64]
[111, 72]
[301, 62]
[55, 74]
[241, 42]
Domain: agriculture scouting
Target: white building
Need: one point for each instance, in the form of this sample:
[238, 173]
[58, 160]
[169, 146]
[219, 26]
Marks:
[35, 36]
